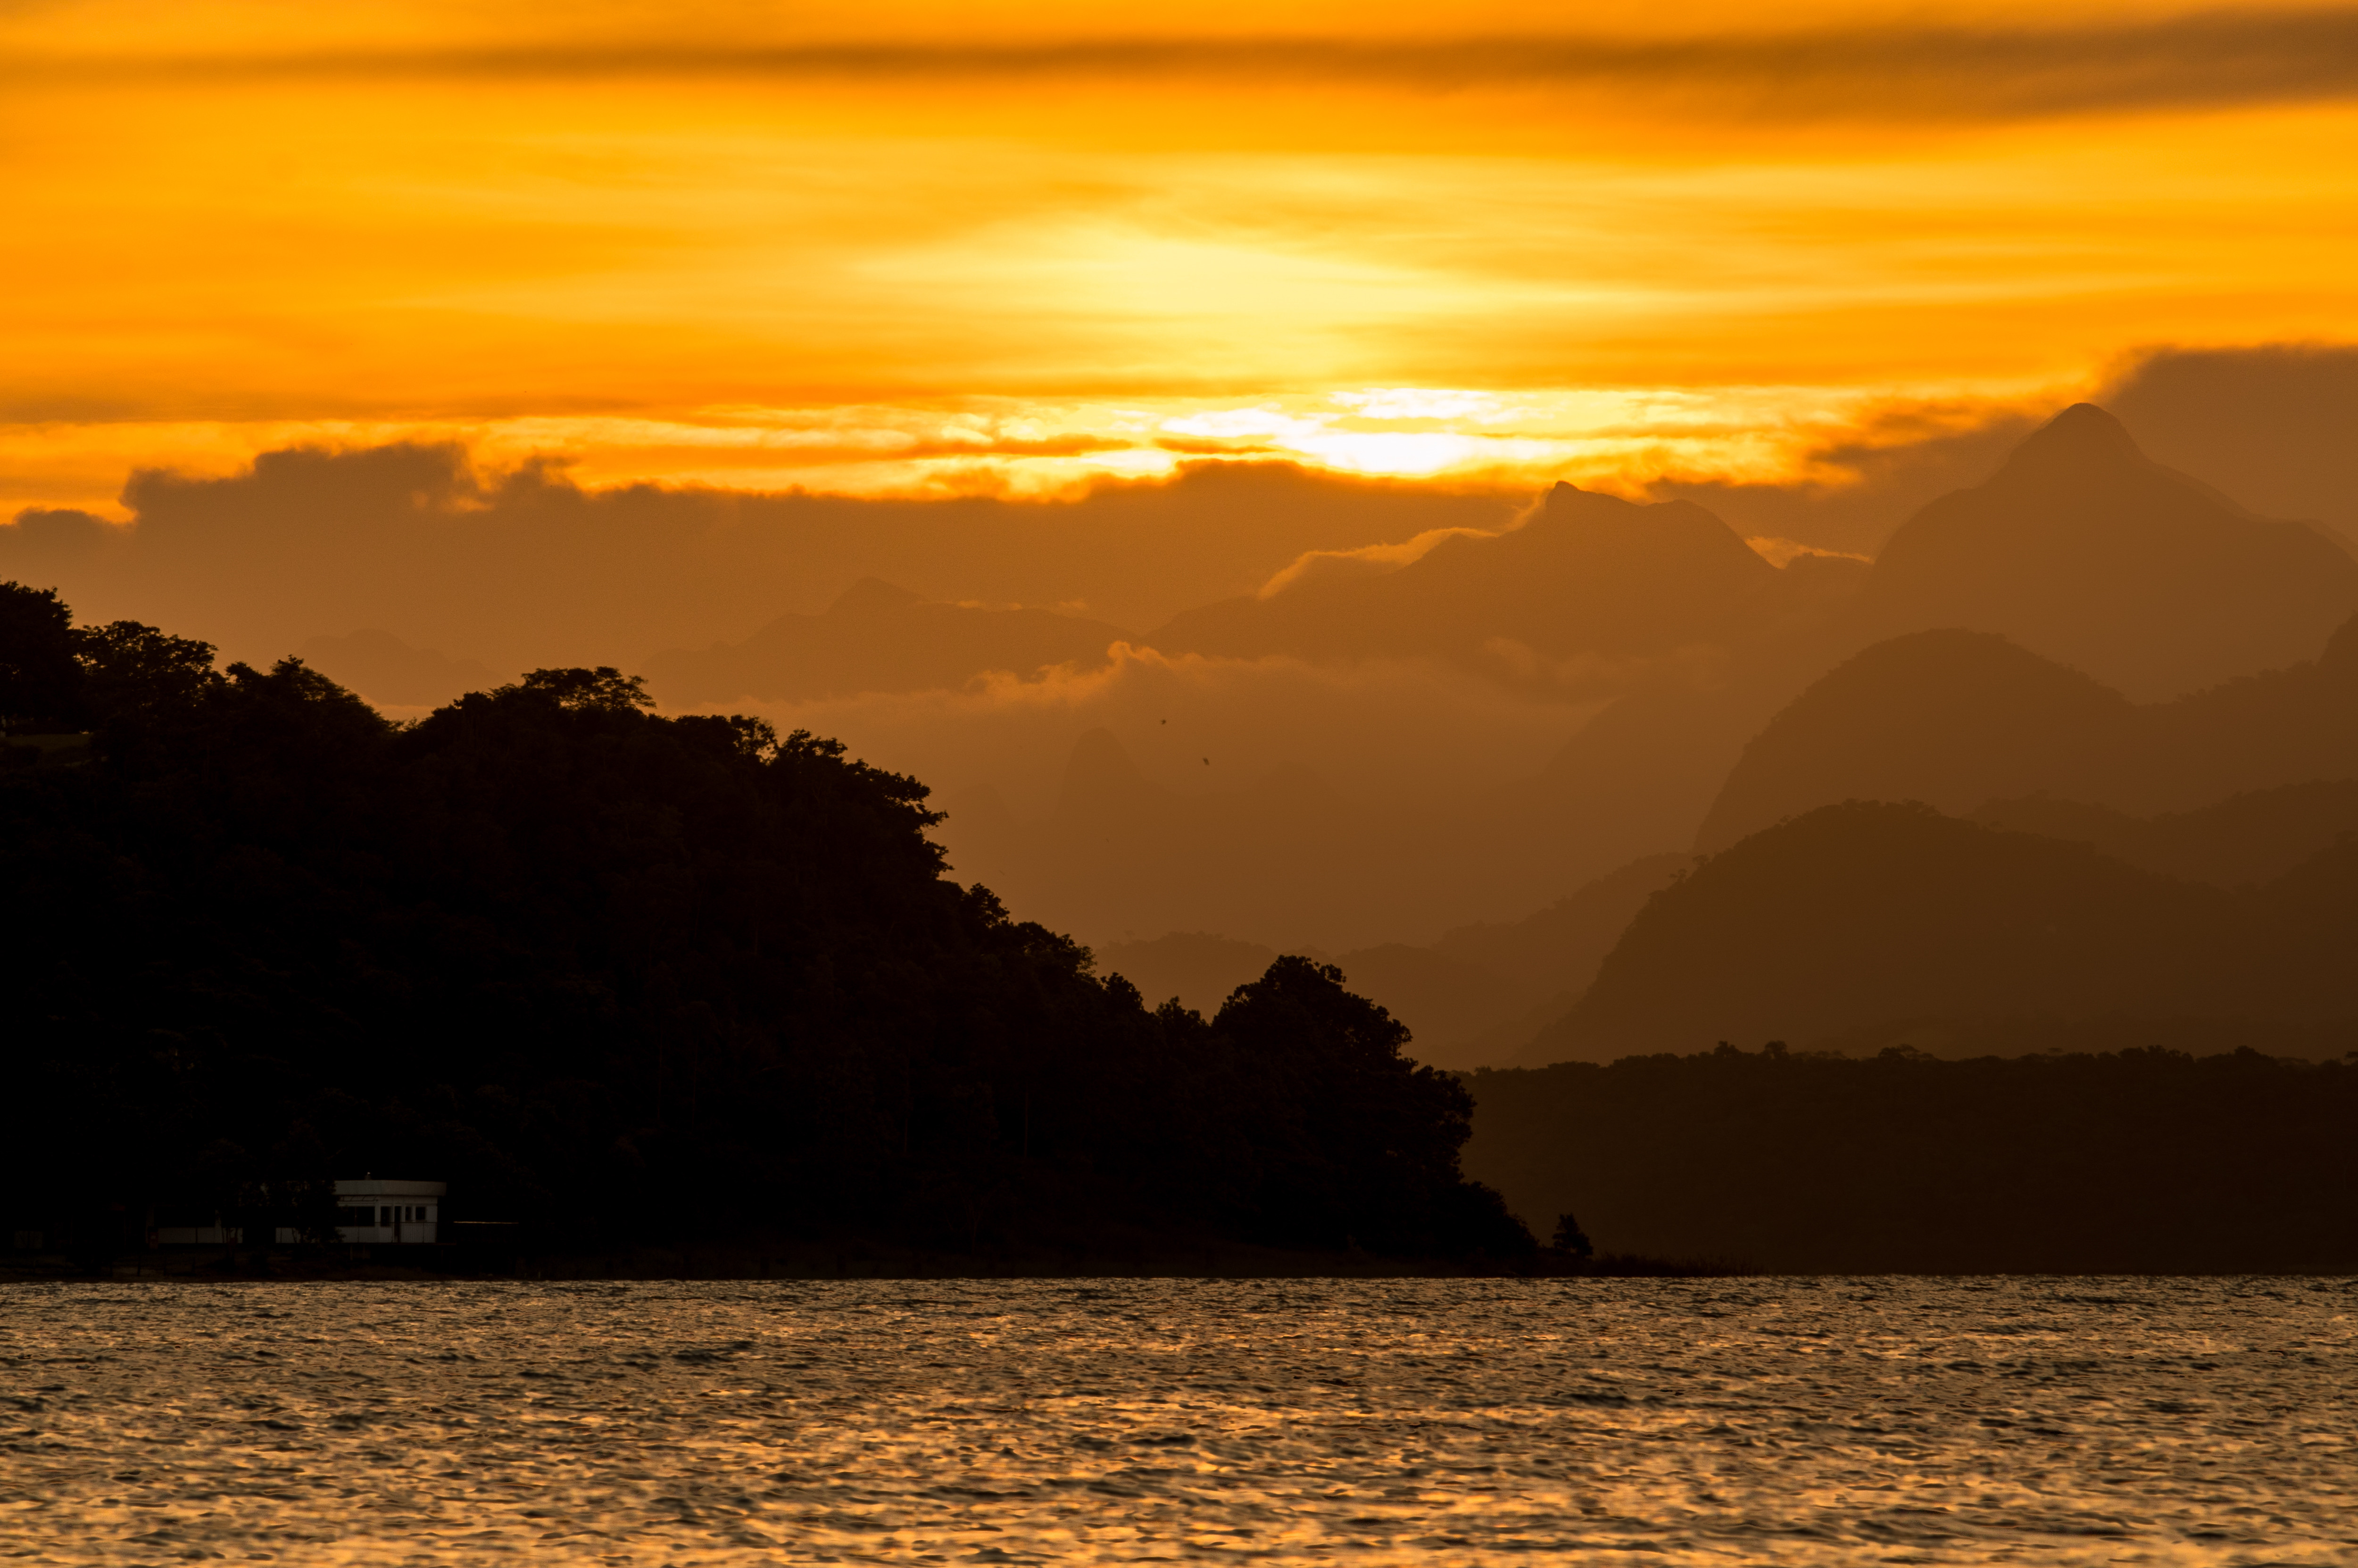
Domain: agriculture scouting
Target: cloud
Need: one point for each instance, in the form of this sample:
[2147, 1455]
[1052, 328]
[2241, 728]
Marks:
[1779, 551]
[2269, 424]
[520, 566]
[1253, 717]
[1915, 72]
[1368, 560]
[1852, 483]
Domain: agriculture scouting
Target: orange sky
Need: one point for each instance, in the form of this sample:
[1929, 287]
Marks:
[959, 247]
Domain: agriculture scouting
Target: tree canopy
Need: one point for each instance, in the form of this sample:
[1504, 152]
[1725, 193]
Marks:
[629, 977]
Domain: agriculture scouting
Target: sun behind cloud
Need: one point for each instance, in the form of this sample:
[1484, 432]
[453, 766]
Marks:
[913, 251]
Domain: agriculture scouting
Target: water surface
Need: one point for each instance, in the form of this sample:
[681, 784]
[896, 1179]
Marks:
[1271, 1422]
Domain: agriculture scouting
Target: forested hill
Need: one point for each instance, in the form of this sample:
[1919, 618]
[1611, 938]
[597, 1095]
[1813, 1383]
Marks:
[2144, 1161]
[626, 977]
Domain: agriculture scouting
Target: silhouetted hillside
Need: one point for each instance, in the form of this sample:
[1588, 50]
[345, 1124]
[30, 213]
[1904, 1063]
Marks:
[2278, 726]
[1637, 778]
[1958, 718]
[2138, 1161]
[1388, 776]
[1860, 914]
[1588, 582]
[1942, 713]
[1870, 924]
[1953, 718]
[1570, 937]
[1447, 1001]
[879, 638]
[2082, 550]
[2077, 550]
[626, 976]
[2251, 837]
[1546, 960]
[1474, 998]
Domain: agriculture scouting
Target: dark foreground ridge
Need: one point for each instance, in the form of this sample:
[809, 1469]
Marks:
[635, 983]
[2144, 1161]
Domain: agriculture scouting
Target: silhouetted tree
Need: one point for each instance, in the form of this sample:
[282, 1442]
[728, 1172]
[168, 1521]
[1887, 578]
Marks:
[632, 977]
[1356, 1142]
[40, 684]
[134, 675]
[1570, 1240]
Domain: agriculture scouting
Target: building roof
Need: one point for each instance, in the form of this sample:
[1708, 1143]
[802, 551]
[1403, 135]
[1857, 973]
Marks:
[371, 1187]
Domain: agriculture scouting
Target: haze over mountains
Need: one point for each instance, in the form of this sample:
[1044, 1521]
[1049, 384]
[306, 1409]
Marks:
[877, 637]
[1582, 589]
[1456, 741]
[1476, 994]
[1864, 927]
[1871, 924]
[2082, 549]
[524, 567]
[1961, 718]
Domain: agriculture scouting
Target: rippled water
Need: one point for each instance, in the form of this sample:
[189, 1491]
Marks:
[1428, 1422]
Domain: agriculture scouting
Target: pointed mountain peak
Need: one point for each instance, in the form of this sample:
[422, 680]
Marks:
[2081, 440]
[1599, 520]
[873, 596]
[1589, 512]
[1568, 497]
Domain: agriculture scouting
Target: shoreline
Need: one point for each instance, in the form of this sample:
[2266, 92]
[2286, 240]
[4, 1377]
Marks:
[851, 1259]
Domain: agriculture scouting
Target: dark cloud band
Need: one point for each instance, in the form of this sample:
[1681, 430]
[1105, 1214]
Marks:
[2216, 60]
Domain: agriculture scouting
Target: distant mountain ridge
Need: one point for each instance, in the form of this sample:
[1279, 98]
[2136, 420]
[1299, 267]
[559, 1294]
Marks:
[1587, 576]
[2078, 558]
[1470, 999]
[1952, 717]
[1958, 718]
[879, 638]
[1870, 923]
[2084, 550]
[2011, 641]
[2248, 838]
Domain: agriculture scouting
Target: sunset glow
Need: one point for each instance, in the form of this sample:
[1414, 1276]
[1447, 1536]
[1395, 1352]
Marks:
[1013, 251]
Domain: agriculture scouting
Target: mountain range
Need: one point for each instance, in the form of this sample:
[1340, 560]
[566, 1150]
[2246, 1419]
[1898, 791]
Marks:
[877, 637]
[2088, 647]
[1476, 994]
[2153, 863]
[1962, 717]
[1582, 589]
[1368, 720]
[1872, 924]
[2083, 549]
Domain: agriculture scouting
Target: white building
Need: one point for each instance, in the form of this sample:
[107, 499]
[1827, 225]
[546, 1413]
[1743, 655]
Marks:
[374, 1211]
[367, 1211]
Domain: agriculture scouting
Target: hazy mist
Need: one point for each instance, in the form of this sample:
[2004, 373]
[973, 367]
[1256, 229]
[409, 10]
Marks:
[1453, 739]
